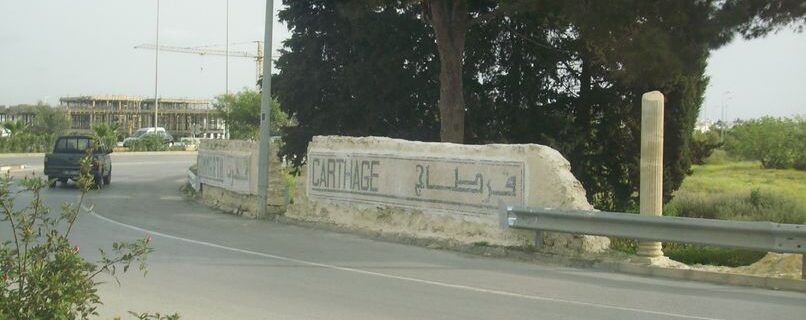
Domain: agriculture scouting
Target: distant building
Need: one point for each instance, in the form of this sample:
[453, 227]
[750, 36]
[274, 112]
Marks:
[703, 125]
[181, 117]
[23, 112]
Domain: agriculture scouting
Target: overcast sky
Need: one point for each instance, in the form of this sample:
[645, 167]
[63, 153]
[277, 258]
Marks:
[55, 48]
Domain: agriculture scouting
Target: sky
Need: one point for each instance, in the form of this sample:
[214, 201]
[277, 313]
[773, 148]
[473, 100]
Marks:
[55, 48]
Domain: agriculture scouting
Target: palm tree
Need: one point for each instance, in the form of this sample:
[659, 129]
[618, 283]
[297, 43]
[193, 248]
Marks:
[106, 133]
[14, 127]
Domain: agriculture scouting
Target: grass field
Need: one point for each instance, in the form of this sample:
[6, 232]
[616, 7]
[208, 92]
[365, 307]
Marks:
[733, 191]
[741, 191]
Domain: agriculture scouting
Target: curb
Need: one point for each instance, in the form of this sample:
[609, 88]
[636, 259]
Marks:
[18, 155]
[8, 168]
[744, 280]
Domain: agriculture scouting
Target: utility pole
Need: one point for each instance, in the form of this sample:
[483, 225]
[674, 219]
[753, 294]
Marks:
[265, 113]
[724, 120]
[226, 77]
[157, 71]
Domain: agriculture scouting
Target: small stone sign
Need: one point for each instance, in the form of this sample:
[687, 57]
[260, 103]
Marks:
[228, 170]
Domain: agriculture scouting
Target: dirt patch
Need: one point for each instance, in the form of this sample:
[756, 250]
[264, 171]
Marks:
[775, 265]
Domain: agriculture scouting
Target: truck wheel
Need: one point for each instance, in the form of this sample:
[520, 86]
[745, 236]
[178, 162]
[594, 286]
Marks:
[51, 182]
[63, 181]
[108, 179]
[98, 179]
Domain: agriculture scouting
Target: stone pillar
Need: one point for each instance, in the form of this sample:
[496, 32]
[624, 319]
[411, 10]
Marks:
[651, 165]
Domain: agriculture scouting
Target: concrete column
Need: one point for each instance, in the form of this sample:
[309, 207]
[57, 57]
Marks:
[651, 165]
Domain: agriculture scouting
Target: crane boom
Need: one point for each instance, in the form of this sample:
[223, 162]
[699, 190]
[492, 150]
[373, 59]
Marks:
[213, 52]
[199, 51]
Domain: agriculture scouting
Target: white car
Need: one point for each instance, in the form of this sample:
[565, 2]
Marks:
[150, 130]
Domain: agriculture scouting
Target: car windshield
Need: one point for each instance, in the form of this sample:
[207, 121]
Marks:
[72, 145]
[140, 133]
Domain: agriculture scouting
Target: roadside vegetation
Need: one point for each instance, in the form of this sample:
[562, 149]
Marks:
[149, 142]
[755, 176]
[38, 136]
[42, 274]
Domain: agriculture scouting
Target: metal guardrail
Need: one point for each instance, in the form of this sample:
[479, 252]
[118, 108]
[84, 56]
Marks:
[762, 236]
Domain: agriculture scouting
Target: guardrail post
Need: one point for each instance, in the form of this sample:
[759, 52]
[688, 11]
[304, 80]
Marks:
[651, 185]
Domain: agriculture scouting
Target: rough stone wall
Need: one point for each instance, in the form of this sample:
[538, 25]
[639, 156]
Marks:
[547, 177]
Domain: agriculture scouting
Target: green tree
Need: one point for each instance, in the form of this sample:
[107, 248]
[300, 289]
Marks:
[241, 113]
[50, 122]
[565, 74]
[703, 144]
[356, 69]
[779, 143]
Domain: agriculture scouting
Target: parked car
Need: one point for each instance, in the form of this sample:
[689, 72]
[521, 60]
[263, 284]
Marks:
[64, 163]
[139, 133]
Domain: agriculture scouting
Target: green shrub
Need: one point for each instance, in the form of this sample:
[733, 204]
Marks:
[779, 143]
[149, 142]
[38, 136]
[702, 144]
[290, 184]
[694, 253]
[718, 156]
[755, 205]
[710, 255]
[106, 133]
[42, 275]
[731, 191]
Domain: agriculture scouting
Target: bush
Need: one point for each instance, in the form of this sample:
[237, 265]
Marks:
[779, 143]
[756, 205]
[702, 145]
[26, 142]
[42, 275]
[107, 134]
[710, 255]
[718, 156]
[149, 142]
[695, 254]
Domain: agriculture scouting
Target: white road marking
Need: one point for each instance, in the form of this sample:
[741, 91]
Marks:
[390, 276]
[172, 198]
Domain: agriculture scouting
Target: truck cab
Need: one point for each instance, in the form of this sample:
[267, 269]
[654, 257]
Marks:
[64, 163]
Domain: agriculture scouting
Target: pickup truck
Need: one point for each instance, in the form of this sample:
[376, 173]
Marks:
[64, 162]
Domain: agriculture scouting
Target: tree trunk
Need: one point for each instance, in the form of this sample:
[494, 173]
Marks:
[449, 18]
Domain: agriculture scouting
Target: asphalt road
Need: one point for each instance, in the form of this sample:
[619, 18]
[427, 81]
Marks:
[209, 265]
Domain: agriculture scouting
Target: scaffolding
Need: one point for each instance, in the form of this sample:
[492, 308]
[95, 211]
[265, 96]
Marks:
[179, 116]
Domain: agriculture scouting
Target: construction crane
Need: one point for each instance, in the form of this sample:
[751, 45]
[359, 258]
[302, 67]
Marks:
[205, 50]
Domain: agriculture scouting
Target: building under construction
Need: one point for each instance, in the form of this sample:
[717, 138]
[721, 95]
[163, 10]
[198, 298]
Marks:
[181, 117]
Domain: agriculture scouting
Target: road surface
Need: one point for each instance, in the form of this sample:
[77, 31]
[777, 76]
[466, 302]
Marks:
[209, 265]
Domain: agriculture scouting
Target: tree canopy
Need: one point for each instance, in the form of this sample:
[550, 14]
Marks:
[241, 113]
[565, 74]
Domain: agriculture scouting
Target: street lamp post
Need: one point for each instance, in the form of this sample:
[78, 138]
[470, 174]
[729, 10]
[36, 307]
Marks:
[724, 120]
[226, 68]
[157, 71]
